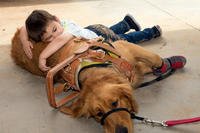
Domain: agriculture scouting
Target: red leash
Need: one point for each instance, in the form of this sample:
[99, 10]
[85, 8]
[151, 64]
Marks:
[183, 121]
[168, 123]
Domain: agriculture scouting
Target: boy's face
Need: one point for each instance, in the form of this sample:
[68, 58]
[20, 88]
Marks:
[53, 30]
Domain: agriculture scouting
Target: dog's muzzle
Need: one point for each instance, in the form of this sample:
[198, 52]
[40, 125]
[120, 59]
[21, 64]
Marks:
[121, 129]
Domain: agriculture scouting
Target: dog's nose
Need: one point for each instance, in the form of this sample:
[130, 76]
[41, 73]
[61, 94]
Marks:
[121, 129]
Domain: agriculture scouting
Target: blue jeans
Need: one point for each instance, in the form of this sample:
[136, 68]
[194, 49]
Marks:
[135, 36]
[120, 30]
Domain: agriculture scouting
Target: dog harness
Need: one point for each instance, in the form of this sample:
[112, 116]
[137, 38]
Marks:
[95, 53]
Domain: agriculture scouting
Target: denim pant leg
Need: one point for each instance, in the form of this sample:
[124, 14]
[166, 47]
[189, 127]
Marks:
[104, 31]
[120, 28]
[139, 36]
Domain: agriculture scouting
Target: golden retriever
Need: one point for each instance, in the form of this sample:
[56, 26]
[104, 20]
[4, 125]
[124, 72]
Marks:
[102, 89]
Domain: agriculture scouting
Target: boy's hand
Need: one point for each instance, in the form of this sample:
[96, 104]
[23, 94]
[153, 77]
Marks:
[42, 65]
[27, 46]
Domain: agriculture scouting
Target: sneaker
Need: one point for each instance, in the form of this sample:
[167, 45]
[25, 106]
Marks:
[174, 62]
[157, 30]
[133, 24]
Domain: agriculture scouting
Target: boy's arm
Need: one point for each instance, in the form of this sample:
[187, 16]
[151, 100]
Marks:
[27, 45]
[51, 48]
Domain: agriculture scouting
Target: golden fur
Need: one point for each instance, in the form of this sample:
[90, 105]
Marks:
[105, 90]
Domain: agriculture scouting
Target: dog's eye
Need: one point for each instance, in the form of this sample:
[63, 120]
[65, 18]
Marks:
[100, 114]
[114, 104]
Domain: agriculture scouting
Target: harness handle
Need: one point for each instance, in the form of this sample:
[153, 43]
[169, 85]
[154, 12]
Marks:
[50, 85]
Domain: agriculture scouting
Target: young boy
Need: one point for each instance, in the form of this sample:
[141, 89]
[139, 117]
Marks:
[42, 26]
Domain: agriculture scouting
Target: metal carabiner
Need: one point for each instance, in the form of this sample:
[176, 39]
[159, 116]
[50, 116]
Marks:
[154, 123]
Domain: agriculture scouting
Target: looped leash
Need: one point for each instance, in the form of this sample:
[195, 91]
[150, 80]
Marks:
[168, 123]
[159, 78]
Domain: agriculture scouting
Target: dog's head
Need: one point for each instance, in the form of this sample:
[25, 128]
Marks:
[103, 99]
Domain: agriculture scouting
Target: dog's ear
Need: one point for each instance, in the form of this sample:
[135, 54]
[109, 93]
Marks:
[79, 108]
[128, 93]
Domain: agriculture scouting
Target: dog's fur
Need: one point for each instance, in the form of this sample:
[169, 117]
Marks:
[102, 88]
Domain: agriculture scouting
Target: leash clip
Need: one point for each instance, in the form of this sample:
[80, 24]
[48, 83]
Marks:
[154, 123]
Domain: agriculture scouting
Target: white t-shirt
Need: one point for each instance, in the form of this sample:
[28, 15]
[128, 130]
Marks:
[76, 30]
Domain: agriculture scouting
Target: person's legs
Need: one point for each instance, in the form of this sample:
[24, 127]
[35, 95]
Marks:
[141, 36]
[125, 25]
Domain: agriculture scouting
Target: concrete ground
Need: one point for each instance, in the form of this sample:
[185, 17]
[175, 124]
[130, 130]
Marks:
[23, 103]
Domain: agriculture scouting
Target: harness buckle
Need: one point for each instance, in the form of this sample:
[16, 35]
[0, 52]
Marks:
[101, 54]
[67, 68]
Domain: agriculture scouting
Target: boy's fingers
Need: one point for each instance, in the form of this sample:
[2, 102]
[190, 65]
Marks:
[29, 53]
[31, 45]
[46, 68]
[30, 57]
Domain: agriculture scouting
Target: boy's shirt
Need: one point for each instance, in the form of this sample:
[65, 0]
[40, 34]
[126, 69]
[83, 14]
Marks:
[76, 30]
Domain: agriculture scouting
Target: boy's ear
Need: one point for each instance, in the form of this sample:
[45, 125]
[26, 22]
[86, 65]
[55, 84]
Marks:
[57, 19]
